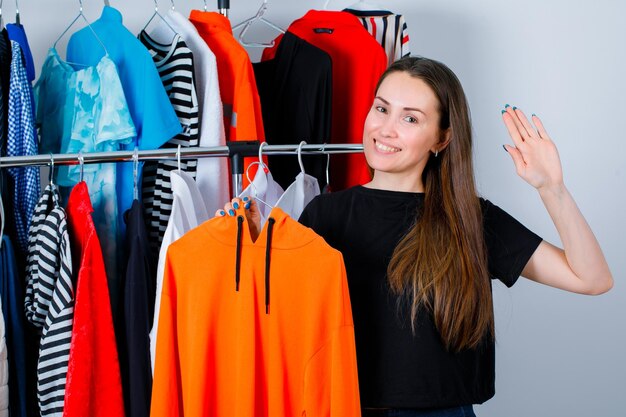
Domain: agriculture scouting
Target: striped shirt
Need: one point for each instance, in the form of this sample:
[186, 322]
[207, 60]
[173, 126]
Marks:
[49, 301]
[389, 29]
[174, 63]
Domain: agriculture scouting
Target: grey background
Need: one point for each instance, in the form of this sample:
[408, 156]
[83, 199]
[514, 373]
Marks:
[558, 354]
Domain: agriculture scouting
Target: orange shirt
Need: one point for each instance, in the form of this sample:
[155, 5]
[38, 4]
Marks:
[278, 343]
[243, 119]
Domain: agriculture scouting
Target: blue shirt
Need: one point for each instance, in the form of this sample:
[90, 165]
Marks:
[16, 33]
[150, 108]
[21, 141]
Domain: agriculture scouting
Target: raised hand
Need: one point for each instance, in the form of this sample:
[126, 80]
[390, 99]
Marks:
[535, 156]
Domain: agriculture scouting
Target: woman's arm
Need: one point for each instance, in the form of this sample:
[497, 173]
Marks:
[580, 267]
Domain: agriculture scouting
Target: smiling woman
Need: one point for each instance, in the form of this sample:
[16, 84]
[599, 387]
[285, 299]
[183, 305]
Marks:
[420, 246]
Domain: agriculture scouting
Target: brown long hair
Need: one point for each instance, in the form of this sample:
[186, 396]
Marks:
[441, 263]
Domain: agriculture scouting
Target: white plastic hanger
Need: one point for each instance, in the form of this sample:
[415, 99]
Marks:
[80, 14]
[156, 13]
[261, 165]
[248, 22]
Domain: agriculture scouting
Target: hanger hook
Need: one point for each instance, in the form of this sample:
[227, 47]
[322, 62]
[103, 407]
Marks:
[80, 2]
[51, 180]
[178, 157]
[205, 7]
[172, 1]
[300, 156]
[81, 161]
[261, 163]
[327, 164]
[135, 173]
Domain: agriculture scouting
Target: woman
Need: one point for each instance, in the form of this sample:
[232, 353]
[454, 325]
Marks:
[420, 247]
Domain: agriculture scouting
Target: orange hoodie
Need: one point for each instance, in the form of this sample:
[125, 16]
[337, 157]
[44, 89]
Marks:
[259, 328]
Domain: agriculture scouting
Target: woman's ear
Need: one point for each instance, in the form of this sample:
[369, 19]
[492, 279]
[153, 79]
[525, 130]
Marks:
[444, 140]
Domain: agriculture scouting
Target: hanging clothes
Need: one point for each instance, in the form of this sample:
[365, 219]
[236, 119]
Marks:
[5, 76]
[17, 33]
[358, 62]
[85, 110]
[94, 386]
[49, 301]
[243, 119]
[298, 195]
[188, 212]
[4, 370]
[259, 328]
[11, 295]
[138, 296]
[21, 141]
[212, 173]
[174, 62]
[150, 109]
[296, 98]
[389, 30]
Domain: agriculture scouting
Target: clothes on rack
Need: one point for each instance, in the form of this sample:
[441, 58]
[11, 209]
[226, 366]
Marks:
[135, 322]
[94, 385]
[21, 141]
[174, 62]
[5, 76]
[151, 112]
[355, 74]
[277, 335]
[389, 30]
[11, 295]
[49, 301]
[17, 33]
[296, 100]
[85, 110]
[212, 173]
[298, 195]
[188, 212]
[243, 119]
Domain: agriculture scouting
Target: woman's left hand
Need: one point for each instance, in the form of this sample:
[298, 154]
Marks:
[535, 156]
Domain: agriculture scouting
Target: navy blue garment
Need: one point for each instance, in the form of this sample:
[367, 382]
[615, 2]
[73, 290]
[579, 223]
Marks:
[133, 329]
[12, 295]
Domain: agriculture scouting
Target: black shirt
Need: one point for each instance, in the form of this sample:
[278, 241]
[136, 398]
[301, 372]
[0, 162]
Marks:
[296, 96]
[398, 368]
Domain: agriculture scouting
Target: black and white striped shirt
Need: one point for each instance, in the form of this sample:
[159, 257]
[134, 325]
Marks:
[389, 29]
[174, 63]
[49, 301]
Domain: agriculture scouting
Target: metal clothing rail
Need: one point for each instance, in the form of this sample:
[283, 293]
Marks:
[234, 150]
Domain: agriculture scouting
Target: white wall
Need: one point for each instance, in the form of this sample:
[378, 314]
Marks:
[559, 354]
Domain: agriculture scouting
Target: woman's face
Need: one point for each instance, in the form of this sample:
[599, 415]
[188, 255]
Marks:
[402, 127]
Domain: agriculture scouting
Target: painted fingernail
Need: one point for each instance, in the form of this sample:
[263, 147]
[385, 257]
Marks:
[504, 147]
[506, 105]
[245, 199]
[247, 206]
[514, 108]
[236, 205]
[503, 111]
[222, 213]
[231, 212]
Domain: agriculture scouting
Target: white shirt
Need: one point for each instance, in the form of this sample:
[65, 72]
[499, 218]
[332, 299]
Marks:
[188, 212]
[298, 195]
[212, 174]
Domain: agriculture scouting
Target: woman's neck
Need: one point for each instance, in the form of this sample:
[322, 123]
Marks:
[391, 182]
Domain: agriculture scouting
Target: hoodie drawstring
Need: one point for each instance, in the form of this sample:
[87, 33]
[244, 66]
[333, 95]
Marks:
[270, 227]
[238, 256]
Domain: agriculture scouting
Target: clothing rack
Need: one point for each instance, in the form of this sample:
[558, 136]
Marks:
[234, 150]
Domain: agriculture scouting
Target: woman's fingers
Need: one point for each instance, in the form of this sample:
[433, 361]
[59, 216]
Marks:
[513, 129]
[528, 127]
[542, 130]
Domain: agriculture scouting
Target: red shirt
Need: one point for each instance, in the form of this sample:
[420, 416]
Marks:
[358, 62]
[94, 385]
